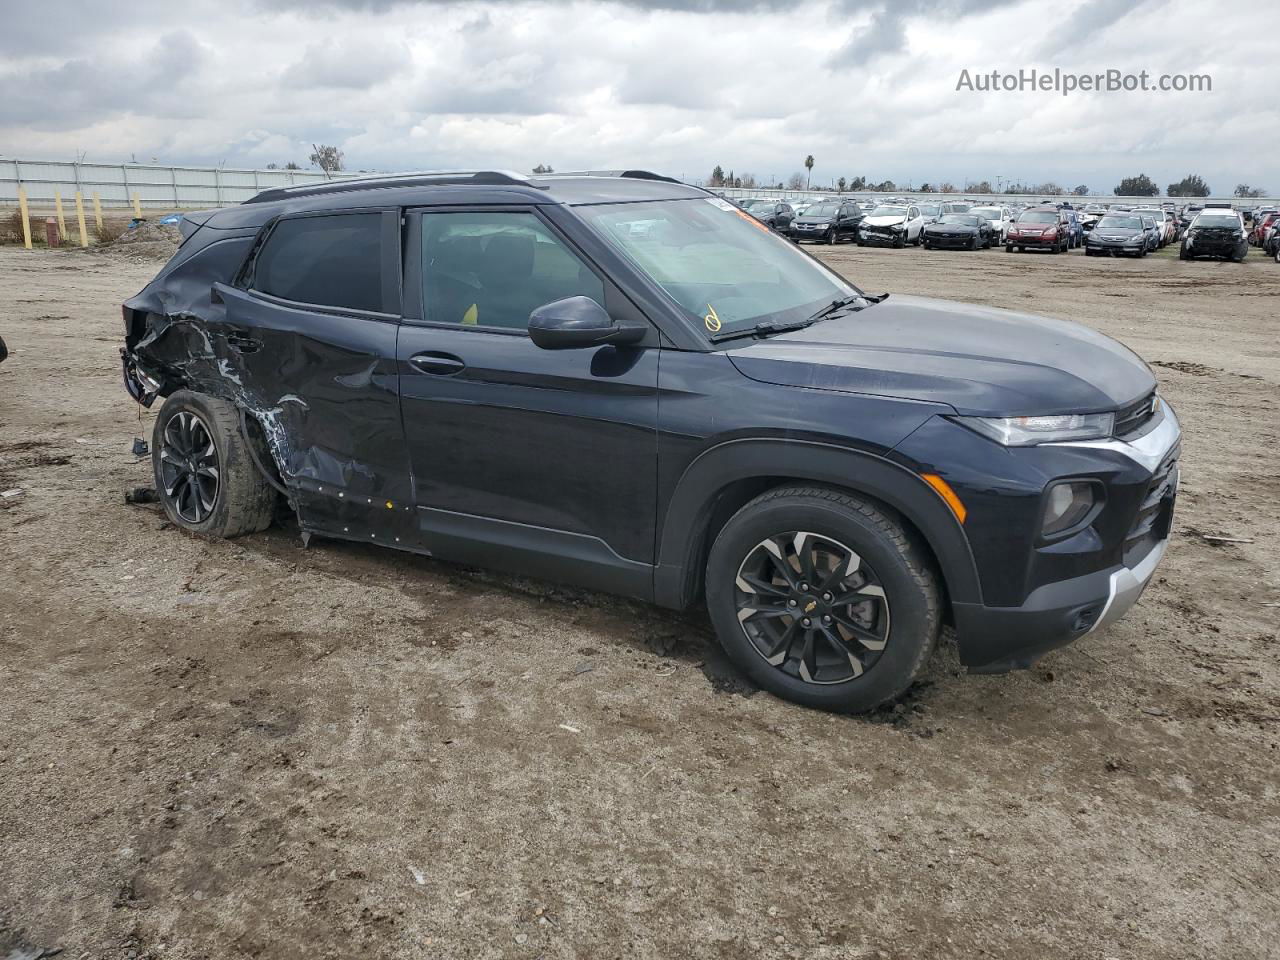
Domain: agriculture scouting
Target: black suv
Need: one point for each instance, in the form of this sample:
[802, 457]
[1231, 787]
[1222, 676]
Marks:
[828, 221]
[632, 385]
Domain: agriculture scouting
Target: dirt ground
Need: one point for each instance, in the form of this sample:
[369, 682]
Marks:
[251, 749]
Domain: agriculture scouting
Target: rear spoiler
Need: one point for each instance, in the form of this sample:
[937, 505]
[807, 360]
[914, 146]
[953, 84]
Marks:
[193, 221]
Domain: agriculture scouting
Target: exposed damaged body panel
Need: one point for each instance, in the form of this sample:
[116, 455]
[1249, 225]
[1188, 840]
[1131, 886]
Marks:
[321, 386]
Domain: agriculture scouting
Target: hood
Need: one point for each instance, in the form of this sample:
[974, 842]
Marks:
[1117, 231]
[1032, 227]
[982, 361]
[883, 221]
[951, 227]
[815, 220]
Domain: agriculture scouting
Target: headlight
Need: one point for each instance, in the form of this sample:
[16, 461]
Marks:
[1066, 505]
[899, 227]
[1028, 431]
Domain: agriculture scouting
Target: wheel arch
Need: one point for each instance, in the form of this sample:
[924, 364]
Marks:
[726, 477]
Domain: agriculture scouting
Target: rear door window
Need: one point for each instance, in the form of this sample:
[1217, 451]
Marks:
[332, 261]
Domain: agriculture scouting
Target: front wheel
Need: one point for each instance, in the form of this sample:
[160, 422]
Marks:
[205, 476]
[823, 599]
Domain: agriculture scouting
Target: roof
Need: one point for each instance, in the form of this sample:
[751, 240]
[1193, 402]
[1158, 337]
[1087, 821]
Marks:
[554, 188]
[439, 189]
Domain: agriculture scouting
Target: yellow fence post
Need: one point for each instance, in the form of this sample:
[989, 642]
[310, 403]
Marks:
[62, 220]
[84, 234]
[137, 207]
[97, 211]
[26, 218]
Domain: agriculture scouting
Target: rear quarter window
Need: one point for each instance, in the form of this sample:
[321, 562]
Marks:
[332, 261]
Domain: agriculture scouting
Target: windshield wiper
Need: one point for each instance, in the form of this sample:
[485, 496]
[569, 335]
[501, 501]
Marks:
[767, 327]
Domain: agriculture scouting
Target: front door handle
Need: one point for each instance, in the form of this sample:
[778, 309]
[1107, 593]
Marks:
[438, 364]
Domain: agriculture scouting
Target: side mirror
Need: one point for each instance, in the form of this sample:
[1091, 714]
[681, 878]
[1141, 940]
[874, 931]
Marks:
[576, 322]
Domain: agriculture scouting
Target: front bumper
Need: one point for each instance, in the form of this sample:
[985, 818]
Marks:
[952, 240]
[873, 236]
[1035, 240]
[1098, 245]
[1000, 639]
[1038, 595]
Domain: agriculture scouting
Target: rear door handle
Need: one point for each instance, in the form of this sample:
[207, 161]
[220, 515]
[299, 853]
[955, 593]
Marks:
[438, 364]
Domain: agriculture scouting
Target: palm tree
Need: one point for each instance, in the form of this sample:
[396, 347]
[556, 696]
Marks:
[808, 165]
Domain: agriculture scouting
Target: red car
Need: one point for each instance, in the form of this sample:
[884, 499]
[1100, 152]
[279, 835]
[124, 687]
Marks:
[1261, 224]
[1039, 227]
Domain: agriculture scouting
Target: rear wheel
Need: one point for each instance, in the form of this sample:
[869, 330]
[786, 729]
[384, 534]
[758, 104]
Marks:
[822, 599]
[205, 476]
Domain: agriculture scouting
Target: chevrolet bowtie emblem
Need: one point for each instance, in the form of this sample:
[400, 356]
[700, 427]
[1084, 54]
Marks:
[809, 607]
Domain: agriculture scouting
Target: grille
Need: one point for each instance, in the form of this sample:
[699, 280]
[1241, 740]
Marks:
[1132, 418]
[1155, 513]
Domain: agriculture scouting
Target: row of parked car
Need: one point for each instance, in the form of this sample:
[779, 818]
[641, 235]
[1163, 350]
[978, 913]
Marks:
[1212, 229]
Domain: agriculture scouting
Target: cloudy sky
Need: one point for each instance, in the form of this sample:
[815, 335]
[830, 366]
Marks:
[866, 86]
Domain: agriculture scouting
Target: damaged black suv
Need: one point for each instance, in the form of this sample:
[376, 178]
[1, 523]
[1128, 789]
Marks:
[632, 385]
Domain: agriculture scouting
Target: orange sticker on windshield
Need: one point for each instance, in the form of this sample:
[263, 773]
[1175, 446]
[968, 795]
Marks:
[712, 319]
[750, 219]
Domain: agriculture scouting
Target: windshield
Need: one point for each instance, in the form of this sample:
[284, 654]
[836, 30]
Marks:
[1043, 216]
[822, 210]
[958, 207]
[748, 204]
[883, 211]
[990, 213]
[726, 270]
[962, 218]
[929, 209]
[1119, 223]
[1217, 220]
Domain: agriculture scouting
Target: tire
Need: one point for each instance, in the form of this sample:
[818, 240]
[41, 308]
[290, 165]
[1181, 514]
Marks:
[236, 499]
[905, 612]
[1276, 255]
[1008, 248]
[928, 245]
[900, 241]
[1182, 253]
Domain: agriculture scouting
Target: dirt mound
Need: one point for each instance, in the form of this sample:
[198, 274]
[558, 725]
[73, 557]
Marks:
[146, 241]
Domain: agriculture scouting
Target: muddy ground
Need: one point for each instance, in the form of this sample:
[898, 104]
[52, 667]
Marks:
[251, 749]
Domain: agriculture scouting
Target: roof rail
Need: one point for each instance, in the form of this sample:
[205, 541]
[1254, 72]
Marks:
[628, 174]
[424, 179]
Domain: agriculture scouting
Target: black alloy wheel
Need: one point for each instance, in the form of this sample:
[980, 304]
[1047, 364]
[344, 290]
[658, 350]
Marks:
[812, 608]
[189, 467]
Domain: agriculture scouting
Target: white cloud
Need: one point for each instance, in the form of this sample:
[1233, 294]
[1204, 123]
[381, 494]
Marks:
[867, 86]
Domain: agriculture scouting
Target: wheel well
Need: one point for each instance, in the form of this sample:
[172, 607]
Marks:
[731, 498]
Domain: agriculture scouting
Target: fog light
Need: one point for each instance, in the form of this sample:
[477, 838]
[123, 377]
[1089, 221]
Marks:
[1067, 504]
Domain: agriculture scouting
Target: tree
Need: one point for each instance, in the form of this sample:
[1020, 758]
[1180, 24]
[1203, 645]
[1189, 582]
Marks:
[748, 180]
[858, 183]
[795, 181]
[1139, 186]
[717, 176]
[1189, 186]
[327, 158]
[946, 187]
[1247, 192]
[543, 168]
[983, 186]
[887, 186]
[926, 187]
[840, 184]
[1082, 190]
[292, 166]
[808, 166]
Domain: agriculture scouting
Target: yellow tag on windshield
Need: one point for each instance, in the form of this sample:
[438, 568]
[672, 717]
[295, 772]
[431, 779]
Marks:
[712, 319]
[471, 316]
